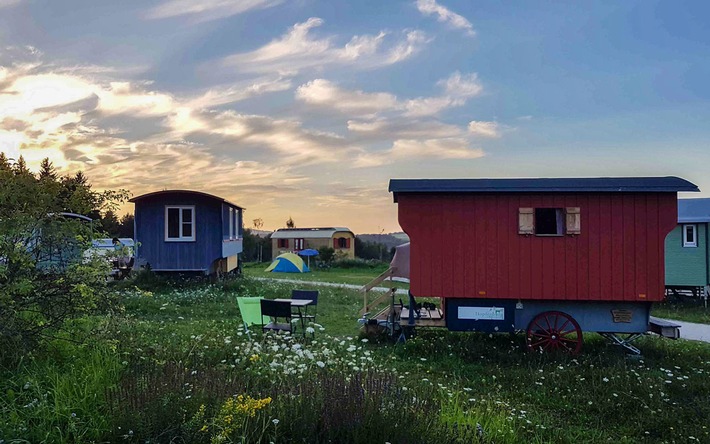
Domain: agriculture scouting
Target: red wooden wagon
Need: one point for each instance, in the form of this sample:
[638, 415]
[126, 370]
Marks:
[553, 257]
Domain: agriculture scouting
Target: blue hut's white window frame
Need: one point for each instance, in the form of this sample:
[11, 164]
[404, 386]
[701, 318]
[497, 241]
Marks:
[182, 223]
[690, 235]
[231, 223]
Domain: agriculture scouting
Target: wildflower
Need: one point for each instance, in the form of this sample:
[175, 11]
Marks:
[310, 330]
[365, 340]
[605, 379]
[320, 364]
[275, 421]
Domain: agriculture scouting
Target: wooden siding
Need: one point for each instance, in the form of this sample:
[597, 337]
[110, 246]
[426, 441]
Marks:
[467, 245]
[687, 266]
[162, 255]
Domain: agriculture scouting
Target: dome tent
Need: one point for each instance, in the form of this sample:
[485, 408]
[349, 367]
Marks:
[288, 263]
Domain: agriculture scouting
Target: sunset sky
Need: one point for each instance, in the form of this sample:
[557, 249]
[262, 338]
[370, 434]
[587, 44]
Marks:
[306, 108]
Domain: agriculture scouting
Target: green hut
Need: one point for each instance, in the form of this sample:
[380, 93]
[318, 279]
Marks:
[687, 264]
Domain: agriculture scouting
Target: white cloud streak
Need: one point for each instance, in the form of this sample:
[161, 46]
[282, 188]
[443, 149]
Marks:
[298, 50]
[206, 10]
[458, 89]
[483, 129]
[445, 15]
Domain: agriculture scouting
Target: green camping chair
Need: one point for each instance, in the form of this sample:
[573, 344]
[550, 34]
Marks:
[250, 309]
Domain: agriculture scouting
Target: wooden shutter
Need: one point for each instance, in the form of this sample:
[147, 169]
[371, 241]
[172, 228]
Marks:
[574, 224]
[526, 221]
[347, 243]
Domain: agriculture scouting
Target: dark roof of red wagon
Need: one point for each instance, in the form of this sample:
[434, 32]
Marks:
[666, 184]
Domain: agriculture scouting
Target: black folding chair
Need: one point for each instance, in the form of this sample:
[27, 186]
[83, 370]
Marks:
[311, 295]
[277, 310]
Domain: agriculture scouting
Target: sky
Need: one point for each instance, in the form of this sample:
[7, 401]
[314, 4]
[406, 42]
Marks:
[306, 108]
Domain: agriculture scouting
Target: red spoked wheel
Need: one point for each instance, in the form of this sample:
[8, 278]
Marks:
[554, 331]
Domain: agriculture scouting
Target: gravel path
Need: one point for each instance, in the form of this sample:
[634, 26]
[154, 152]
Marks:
[329, 284]
[693, 331]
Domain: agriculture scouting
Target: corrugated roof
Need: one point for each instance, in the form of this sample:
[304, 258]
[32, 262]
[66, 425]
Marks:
[199, 193]
[547, 185]
[693, 210]
[308, 233]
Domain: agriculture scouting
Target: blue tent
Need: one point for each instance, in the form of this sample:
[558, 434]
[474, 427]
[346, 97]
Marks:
[288, 263]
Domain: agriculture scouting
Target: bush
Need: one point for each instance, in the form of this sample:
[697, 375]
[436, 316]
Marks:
[45, 278]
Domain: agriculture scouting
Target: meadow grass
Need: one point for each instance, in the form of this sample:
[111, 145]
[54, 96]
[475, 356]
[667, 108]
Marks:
[172, 368]
[353, 276]
[689, 311]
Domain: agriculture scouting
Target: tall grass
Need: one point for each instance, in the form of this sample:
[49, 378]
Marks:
[60, 400]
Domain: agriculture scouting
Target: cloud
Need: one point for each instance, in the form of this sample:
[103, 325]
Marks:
[73, 118]
[414, 149]
[457, 90]
[222, 95]
[483, 129]
[445, 15]
[323, 93]
[7, 3]
[403, 129]
[206, 10]
[298, 50]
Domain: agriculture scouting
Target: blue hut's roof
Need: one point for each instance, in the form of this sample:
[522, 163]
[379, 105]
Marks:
[547, 185]
[693, 210]
[198, 193]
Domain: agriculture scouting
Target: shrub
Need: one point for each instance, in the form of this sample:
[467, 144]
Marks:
[46, 279]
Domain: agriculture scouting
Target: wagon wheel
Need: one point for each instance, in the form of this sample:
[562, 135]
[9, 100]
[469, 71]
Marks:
[554, 331]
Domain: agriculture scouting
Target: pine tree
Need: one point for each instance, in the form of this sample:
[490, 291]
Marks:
[47, 170]
[4, 162]
[21, 167]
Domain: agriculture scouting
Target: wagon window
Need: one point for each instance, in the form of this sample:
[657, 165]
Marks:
[180, 223]
[690, 236]
[231, 223]
[549, 221]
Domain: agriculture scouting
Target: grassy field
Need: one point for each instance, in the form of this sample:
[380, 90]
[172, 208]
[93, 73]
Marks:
[353, 276]
[690, 311]
[172, 367]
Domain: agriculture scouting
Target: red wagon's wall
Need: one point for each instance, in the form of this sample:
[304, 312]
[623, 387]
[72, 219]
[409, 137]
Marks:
[467, 245]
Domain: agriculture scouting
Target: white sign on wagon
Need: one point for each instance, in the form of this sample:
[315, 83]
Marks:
[484, 313]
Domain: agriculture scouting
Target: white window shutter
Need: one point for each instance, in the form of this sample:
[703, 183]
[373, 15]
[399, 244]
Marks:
[574, 224]
[526, 221]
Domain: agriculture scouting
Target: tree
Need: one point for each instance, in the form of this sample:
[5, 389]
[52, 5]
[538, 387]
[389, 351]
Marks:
[44, 277]
[47, 171]
[290, 223]
[110, 224]
[326, 255]
[125, 227]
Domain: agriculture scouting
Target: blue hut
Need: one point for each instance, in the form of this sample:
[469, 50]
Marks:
[687, 252]
[187, 231]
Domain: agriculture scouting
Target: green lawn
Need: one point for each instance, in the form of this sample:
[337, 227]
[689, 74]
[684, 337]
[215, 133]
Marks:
[353, 276]
[690, 311]
[165, 371]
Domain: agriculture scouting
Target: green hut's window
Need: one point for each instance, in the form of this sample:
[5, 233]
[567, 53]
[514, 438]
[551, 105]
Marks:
[690, 236]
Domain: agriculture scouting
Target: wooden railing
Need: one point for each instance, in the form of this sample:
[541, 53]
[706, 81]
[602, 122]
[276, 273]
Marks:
[367, 306]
